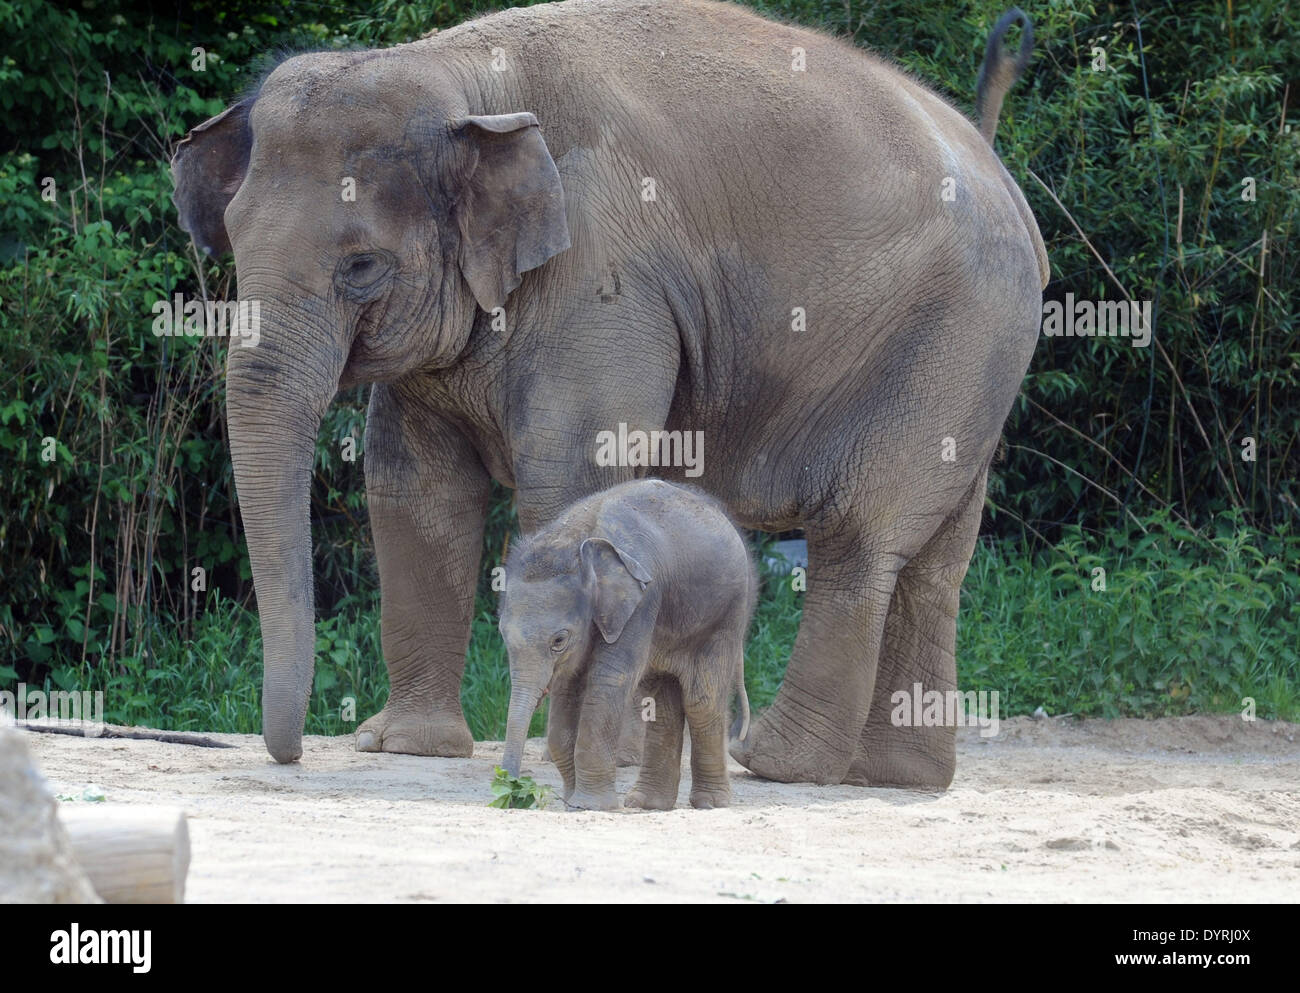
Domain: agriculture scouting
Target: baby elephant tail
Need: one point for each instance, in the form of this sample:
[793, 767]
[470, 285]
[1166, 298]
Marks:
[740, 726]
[1000, 70]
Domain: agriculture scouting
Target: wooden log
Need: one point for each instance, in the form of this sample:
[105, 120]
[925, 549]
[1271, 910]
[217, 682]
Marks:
[138, 734]
[131, 854]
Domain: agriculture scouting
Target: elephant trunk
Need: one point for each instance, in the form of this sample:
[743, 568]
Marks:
[524, 699]
[275, 398]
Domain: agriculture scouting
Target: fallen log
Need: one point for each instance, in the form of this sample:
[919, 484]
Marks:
[113, 731]
[131, 854]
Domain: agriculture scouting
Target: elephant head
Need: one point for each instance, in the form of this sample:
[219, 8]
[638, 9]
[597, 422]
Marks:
[370, 211]
[555, 603]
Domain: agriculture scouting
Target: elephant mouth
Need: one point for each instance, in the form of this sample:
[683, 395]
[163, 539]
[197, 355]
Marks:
[366, 362]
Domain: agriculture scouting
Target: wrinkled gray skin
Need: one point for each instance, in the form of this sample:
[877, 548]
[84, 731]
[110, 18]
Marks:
[523, 188]
[643, 591]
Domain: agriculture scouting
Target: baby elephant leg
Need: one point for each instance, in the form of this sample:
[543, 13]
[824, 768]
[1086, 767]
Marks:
[631, 737]
[706, 694]
[661, 767]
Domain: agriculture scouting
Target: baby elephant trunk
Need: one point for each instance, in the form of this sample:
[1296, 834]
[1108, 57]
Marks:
[523, 702]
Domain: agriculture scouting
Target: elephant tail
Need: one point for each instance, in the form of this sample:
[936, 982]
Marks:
[1001, 69]
[740, 726]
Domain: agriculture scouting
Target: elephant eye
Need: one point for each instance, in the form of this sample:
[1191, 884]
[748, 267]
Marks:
[359, 268]
[364, 274]
[559, 641]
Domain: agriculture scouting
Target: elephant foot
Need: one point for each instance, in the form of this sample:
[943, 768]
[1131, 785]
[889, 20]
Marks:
[776, 748]
[647, 800]
[444, 735]
[906, 763]
[592, 801]
[707, 799]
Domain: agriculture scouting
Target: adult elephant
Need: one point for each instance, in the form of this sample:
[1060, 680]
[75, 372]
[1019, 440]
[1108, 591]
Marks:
[693, 219]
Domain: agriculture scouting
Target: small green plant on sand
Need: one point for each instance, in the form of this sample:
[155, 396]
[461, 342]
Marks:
[522, 792]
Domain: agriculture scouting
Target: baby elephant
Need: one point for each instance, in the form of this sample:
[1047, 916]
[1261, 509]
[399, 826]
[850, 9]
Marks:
[639, 594]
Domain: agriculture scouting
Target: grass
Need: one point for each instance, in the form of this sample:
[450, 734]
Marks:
[1186, 624]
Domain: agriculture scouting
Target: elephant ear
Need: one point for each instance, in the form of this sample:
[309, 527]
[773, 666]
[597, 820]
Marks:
[617, 582]
[510, 208]
[207, 170]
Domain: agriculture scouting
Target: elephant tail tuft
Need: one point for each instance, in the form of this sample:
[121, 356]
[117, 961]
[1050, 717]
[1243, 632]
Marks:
[1001, 69]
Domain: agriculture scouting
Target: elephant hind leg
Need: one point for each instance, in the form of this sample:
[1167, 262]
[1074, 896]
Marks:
[661, 770]
[706, 714]
[919, 648]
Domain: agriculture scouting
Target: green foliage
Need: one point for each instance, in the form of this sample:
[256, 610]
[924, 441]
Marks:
[97, 546]
[519, 793]
[772, 631]
[391, 22]
[1187, 622]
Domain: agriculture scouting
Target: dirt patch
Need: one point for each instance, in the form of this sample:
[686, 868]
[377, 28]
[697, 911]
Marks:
[1180, 809]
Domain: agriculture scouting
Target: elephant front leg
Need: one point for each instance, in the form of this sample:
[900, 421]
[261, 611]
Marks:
[562, 727]
[427, 494]
[614, 673]
[597, 743]
[811, 731]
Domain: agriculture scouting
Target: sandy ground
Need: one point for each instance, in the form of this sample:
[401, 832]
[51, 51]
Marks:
[1186, 809]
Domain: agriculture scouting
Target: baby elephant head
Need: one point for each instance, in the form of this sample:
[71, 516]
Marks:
[550, 615]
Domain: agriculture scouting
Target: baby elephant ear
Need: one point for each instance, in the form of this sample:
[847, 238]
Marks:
[617, 583]
[208, 169]
[510, 209]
